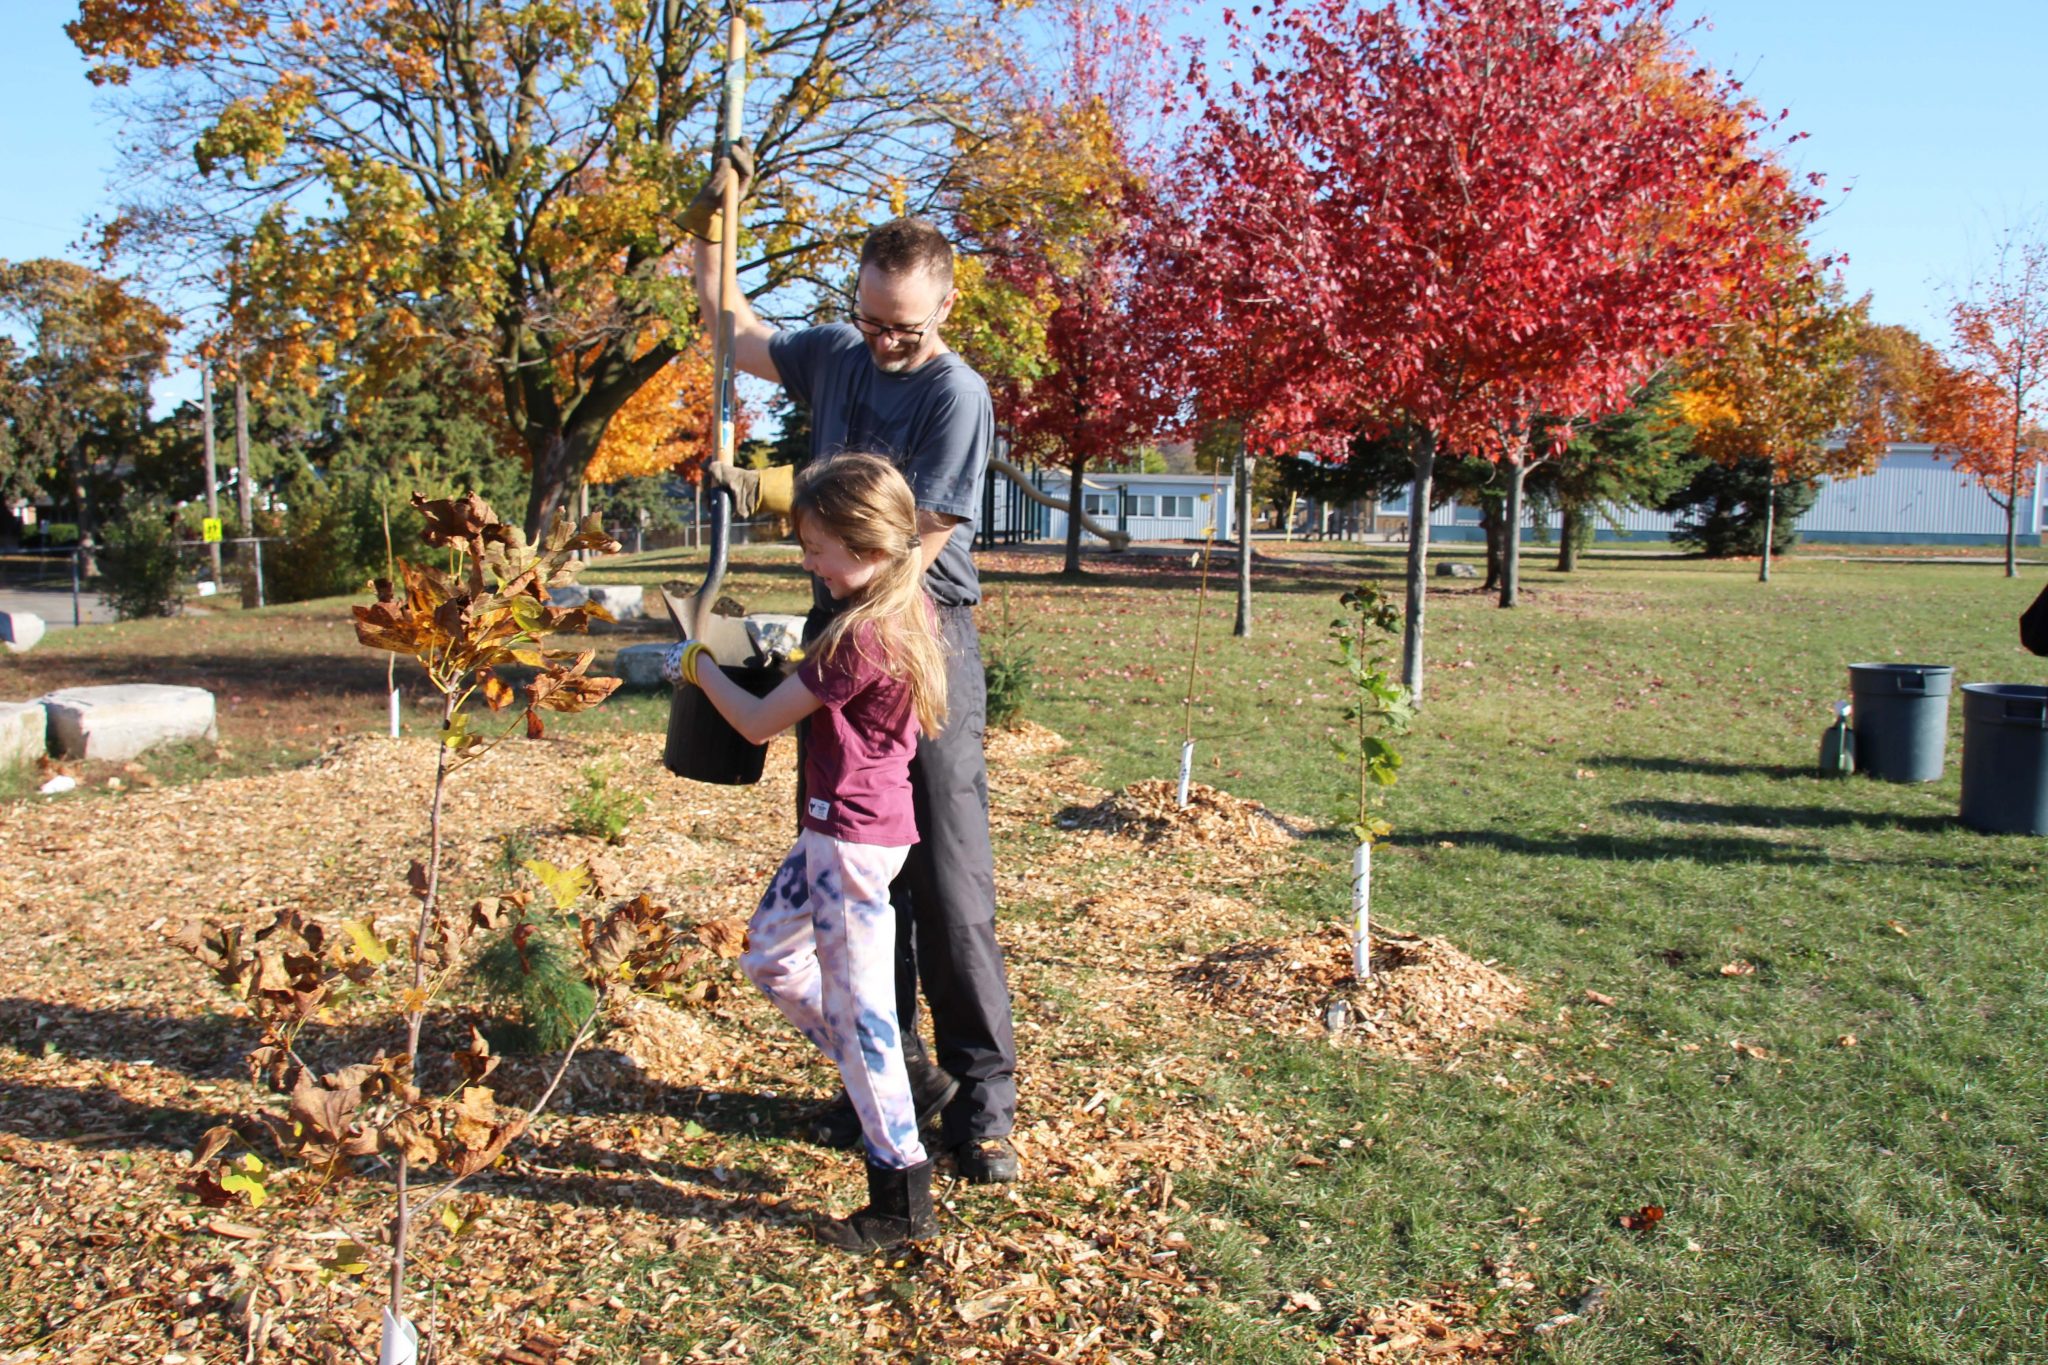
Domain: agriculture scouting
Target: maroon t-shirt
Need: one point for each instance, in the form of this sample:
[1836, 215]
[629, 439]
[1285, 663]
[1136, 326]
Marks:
[858, 748]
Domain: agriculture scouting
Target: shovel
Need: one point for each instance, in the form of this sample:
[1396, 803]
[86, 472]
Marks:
[701, 745]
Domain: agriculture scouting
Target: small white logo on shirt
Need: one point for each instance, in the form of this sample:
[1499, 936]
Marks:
[820, 810]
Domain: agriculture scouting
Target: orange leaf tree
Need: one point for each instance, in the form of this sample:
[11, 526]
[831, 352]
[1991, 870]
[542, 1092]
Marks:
[1987, 413]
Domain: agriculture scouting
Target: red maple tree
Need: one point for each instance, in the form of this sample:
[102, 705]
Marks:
[1446, 216]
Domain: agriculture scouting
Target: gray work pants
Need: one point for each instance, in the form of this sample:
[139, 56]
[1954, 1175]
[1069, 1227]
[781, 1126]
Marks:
[945, 901]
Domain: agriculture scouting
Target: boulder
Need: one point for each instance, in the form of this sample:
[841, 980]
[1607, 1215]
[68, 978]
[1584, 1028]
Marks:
[625, 601]
[24, 729]
[1455, 568]
[639, 666]
[19, 630]
[116, 723]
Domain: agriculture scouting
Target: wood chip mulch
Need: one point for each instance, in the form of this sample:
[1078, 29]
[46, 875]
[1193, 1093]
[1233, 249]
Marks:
[1423, 997]
[1149, 813]
[667, 1195]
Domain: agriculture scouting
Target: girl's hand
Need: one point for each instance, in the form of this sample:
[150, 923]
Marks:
[672, 662]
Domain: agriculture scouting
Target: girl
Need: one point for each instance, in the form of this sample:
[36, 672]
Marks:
[822, 943]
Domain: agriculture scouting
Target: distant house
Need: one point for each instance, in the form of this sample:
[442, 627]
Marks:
[1143, 506]
[1913, 497]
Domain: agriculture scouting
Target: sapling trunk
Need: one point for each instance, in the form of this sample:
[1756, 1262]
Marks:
[1361, 910]
[401, 1222]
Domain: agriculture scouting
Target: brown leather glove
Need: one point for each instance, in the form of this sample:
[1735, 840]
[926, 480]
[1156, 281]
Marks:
[701, 218]
[753, 490]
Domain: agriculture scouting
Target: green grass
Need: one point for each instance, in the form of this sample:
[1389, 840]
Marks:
[1609, 790]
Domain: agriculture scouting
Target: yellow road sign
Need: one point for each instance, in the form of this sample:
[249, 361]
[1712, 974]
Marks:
[209, 529]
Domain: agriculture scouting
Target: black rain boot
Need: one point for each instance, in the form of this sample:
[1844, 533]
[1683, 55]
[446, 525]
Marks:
[899, 1212]
[932, 1088]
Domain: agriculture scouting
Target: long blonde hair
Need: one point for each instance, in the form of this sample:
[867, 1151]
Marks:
[866, 503]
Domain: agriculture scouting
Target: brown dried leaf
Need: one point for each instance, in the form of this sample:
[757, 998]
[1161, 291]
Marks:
[476, 1060]
[726, 937]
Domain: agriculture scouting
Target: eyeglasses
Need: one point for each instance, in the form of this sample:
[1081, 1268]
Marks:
[869, 327]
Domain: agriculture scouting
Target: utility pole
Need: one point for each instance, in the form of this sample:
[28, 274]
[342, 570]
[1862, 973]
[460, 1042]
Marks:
[245, 490]
[212, 466]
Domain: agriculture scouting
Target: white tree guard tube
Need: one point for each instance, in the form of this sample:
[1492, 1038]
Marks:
[401, 1344]
[1187, 766]
[394, 713]
[1361, 899]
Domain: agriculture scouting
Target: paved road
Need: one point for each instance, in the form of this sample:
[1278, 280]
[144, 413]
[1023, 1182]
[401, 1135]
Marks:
[55, 607]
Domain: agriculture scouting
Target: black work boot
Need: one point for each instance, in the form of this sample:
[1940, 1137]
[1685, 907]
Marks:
[986, 1161]
[932, 1088]
[899, 1211]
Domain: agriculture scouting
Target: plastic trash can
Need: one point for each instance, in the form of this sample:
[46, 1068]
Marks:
[1900, 715]
[2005, 758]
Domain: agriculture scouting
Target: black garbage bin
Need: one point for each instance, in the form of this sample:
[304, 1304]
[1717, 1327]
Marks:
[2005, 758]
[1900, 715]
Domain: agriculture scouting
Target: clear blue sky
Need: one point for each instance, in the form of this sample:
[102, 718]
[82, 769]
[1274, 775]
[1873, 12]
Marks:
[1934, 116]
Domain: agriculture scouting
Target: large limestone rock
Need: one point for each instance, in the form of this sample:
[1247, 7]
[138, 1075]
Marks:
[23, 730]
[117, 723]
[639, 666]
[1455, 568]
[625, 601]
[19, 630]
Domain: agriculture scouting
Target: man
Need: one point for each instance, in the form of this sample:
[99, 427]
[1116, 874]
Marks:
[888, 384]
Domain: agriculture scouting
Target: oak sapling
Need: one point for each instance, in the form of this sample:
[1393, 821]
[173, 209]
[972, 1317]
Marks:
[1379, 710]
[489, 609]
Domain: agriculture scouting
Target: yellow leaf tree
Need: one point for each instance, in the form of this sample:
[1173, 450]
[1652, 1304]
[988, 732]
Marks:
[1786, 387]
[502, 181]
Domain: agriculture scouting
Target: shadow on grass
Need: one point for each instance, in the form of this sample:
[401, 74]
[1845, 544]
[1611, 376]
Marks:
[1642, 763]
[1695, 848]
[1792, 817]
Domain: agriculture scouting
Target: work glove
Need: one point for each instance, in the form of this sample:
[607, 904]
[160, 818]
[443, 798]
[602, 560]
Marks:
[679, 664]
[701, 218]
[753, 490]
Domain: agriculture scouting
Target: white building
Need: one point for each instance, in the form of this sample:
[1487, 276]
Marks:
[1144, 506]
[1913, 497]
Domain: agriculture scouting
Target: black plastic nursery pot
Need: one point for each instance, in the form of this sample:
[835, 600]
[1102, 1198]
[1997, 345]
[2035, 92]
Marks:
[702, 746]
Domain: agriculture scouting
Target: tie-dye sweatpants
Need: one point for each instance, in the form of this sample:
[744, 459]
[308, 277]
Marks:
[822, 946]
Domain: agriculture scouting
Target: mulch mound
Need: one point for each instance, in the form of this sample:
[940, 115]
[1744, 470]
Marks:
[1424, 997]
[1148, 813]
[1019, 742]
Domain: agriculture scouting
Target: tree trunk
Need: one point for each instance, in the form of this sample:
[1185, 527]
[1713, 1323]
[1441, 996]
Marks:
[1511, 537]
[1568, 543]
[1074, 500]
[1490, 525]
[2012, 520]
[1243, 625]
[1424, 457]
[1763, 573]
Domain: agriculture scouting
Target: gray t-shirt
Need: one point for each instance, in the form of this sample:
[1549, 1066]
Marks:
[936, 423]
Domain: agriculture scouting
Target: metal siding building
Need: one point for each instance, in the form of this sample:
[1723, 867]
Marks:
[1913, 497]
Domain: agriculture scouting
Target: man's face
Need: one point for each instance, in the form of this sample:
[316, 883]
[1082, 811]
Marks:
[899, 317]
